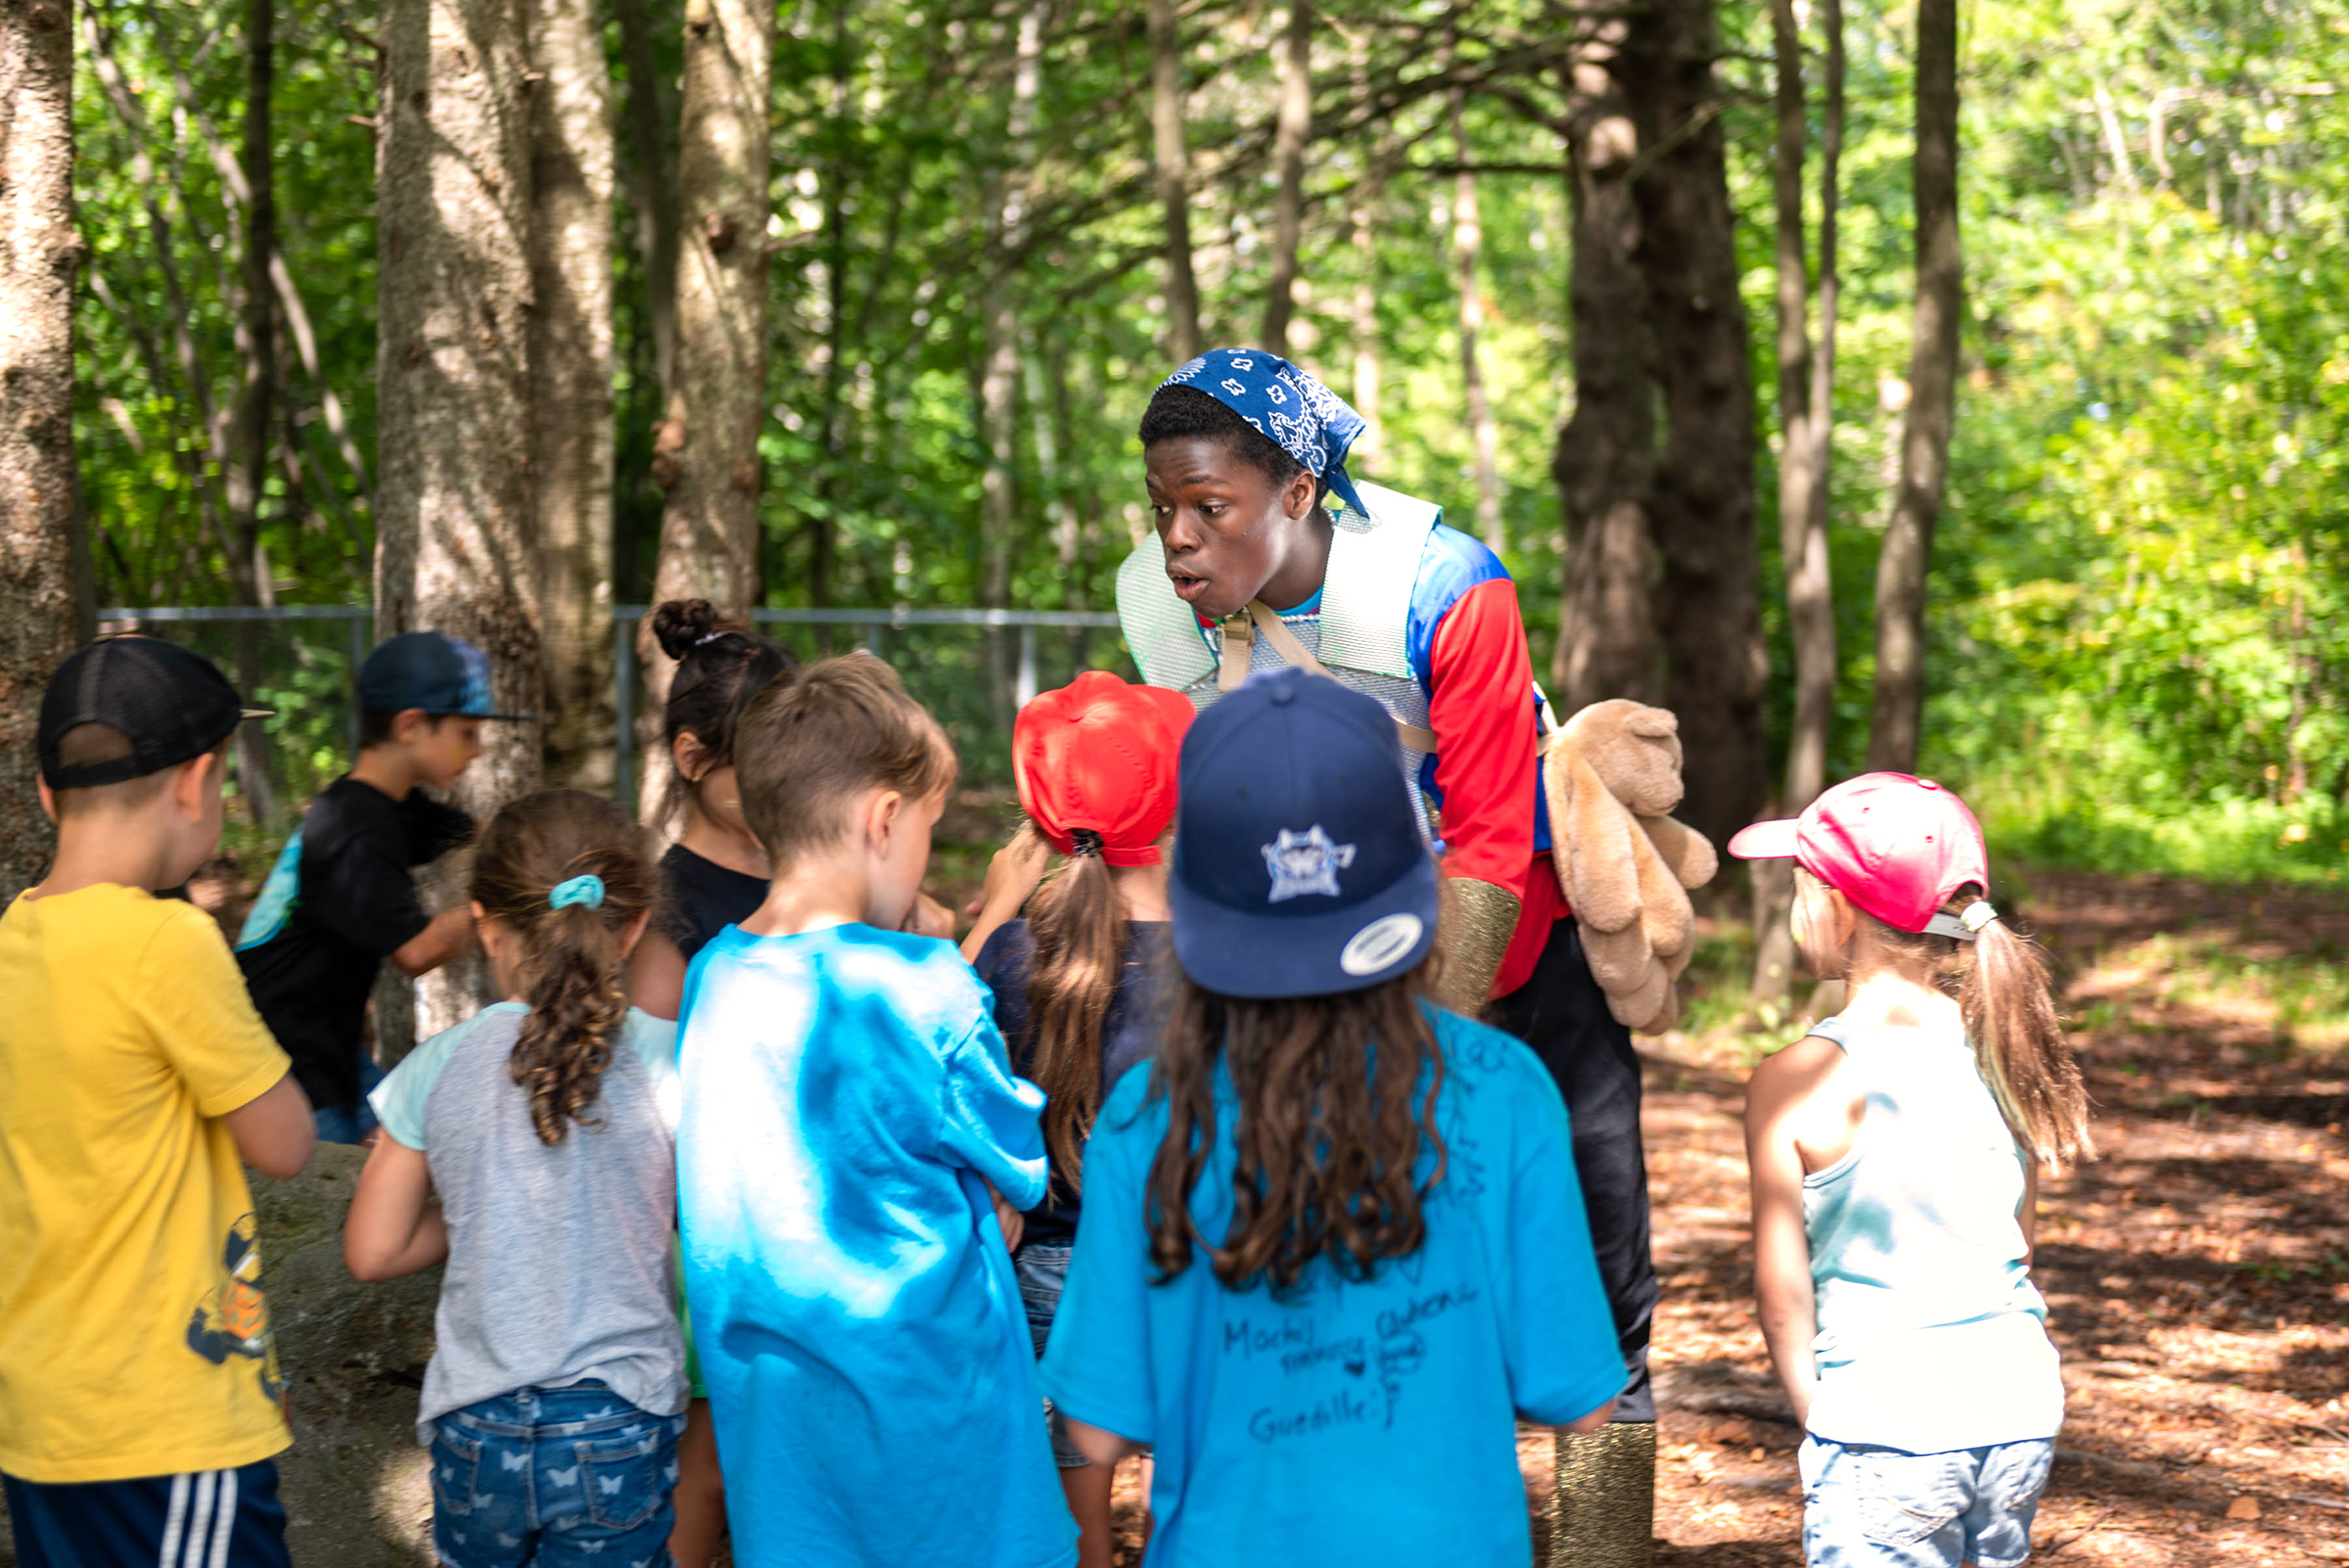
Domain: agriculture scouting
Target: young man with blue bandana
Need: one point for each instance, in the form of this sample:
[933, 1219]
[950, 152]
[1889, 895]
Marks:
[1270, 554]
[341, 898]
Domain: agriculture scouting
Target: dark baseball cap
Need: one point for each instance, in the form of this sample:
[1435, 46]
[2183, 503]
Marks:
[170, 703]
[1299, 868]
[431, 671]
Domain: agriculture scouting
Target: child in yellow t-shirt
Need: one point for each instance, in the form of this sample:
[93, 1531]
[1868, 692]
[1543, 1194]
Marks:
[140, 1398]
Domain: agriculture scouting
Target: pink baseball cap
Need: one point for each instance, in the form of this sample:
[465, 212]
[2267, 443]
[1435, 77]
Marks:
[1896, 845]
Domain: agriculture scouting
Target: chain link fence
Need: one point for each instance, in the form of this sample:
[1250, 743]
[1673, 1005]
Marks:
[973, 668]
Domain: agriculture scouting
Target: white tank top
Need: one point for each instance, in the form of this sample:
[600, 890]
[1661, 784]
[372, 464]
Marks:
[1931, 1336]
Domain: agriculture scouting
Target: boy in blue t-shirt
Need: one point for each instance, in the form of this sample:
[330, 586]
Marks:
[854, 1154]
[1328, 1372]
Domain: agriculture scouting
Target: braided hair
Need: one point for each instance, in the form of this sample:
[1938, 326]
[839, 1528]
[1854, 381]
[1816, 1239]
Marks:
[567, 873]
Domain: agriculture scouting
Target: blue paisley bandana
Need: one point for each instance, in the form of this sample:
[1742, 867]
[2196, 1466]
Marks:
[1295, 412]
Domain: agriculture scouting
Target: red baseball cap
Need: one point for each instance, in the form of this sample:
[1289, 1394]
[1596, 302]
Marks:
[1100, 756]
[1896, 845]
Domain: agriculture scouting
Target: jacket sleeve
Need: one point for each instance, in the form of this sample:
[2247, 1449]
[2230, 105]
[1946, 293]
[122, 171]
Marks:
[1480, 706]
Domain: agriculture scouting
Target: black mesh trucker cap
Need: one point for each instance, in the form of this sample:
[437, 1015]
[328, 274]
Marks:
[170, 703]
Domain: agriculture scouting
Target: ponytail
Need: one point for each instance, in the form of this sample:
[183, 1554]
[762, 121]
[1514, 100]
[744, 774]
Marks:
[567, 873]
[1078, 923]
[2020, 1046]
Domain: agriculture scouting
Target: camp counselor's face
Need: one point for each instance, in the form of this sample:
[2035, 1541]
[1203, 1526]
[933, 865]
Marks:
[1229, 530]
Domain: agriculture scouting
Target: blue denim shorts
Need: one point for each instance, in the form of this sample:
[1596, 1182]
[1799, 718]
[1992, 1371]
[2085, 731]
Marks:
[565, 1477]
[1044, 1270]
[1866, 1506]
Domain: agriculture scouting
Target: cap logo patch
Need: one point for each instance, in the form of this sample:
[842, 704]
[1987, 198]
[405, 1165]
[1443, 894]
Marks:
[1305, 863]
[1381, 943]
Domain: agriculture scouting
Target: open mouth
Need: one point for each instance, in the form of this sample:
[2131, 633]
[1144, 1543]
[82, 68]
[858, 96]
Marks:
[1187, 588]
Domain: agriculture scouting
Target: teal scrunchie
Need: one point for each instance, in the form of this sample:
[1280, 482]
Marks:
[587, 890]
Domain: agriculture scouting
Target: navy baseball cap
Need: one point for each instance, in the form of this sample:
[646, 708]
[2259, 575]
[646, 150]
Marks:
[1298, 869]
[431, 671]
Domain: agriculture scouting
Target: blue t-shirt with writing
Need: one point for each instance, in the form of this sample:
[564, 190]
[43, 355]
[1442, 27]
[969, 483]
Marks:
[1356, 1424]
[872, 1384]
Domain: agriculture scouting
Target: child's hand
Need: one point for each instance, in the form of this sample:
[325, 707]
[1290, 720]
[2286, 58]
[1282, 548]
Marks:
[930, 918]
[1014, 1223]
[1012, 875]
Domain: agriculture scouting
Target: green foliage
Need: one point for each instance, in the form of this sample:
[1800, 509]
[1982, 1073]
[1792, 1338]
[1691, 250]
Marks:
[2138, 634]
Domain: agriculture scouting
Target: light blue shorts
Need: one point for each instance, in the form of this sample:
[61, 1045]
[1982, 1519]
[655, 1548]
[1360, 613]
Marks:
[1866, 1506]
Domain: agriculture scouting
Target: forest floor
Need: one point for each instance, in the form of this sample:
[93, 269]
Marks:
[2197, 1274]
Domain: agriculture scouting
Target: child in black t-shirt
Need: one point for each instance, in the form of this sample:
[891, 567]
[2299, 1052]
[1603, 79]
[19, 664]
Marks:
[715, 873]
[340, 899]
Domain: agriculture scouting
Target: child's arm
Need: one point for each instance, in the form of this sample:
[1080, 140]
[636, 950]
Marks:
[656, 977]
[1011, 876]
[1014, 1223]
[274, 1131]
[1773, 1101]
[2028, 1214]
[1099, 1447]
[449, 934]
[395, 1226]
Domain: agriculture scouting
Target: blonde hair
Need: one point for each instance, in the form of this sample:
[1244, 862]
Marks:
[2000, 981]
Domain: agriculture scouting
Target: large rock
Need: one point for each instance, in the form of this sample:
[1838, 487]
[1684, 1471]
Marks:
[355, 1487]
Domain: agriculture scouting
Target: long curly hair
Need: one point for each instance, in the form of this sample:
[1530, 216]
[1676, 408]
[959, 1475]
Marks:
[1337, 1100]
[573, 967]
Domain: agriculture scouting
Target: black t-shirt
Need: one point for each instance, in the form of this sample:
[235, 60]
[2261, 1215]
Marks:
[699, 898]
[338, 903]
[1130, 1030]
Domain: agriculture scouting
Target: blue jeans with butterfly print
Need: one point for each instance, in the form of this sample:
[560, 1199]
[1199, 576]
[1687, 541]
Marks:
[554, 1476]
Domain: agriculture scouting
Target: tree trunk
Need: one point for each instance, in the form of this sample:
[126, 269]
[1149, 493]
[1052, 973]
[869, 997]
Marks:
[1000, 372]
[1364, 218]
[571, 353]
[1295, 123]
[1901, 570]
[453, 498]
[1171, 158]
[44, 581]
[1607, 643]
[1806, 393]
[652, 178]
[709, 445]
[1657, 464]
[1468, 238]
[256, 342]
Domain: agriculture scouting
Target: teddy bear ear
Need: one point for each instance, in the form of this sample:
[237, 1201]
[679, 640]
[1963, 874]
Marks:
[1653, 723]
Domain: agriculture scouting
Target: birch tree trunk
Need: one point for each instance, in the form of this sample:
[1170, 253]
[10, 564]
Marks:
[1468, 238]
[571, 356]
[1806, 410]
[1900, 693]
[453, 496]
[256, 342]
[708, 451]
[1170, 159]
[1295, 123]
[1364, 218]
[44, 592]
[1000, 372]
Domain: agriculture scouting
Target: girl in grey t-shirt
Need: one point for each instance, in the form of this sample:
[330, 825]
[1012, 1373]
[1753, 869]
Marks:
[546, 1125]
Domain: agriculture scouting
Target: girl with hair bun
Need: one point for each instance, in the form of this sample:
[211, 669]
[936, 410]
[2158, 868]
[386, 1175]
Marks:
[716, 872]
[547, 1125]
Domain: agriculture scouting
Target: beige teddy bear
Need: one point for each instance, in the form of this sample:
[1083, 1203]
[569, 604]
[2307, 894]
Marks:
[1613, 773]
